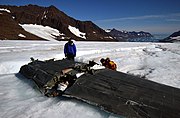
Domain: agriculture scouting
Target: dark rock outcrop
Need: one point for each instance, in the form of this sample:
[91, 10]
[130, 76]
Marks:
[10, 29]
[51, 16]
[175, 37]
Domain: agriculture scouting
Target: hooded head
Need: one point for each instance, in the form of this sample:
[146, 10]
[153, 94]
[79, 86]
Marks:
[102, 60]
[107, 59]
[70, 41]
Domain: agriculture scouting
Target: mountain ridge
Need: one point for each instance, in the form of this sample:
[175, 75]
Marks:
[174, 37]
[53, 17]
[126, 35]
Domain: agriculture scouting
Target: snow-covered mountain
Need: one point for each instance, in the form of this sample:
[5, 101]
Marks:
[12, 16]
[19, 98]
[175, 37]
[127, 35]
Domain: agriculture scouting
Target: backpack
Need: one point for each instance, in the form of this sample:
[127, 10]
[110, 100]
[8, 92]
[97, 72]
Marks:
[112, 65]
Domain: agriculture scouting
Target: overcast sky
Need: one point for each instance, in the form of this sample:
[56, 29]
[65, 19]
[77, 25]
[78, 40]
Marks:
[155, 16]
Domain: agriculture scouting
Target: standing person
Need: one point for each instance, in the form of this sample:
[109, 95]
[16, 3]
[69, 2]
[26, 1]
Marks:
[70, 50]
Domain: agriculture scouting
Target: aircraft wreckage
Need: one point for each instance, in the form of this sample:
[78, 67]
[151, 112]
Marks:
[127, 95]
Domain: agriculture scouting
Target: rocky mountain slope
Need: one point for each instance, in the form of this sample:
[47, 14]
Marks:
[9, 28]
[125, 35]
[12, 16]
[174, 37]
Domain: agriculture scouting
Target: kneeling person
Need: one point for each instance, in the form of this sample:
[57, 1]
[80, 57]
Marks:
[108, 63]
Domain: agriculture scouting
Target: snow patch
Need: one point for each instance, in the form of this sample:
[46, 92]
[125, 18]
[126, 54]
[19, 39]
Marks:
[21, 35]
[107, 30]
[124, 31]
[44, 32]
[108, 37]
[76, 32]
[97, 67]
[176, 38]
[6, 10]
[44, 15]
[79, 74]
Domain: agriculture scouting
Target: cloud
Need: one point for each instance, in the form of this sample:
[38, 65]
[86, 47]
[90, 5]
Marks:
[163, 23]
[173, 20]
[131, 18]
[176, 14]
[145, 17]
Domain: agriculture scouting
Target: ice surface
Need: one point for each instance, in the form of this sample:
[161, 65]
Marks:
[19, 97]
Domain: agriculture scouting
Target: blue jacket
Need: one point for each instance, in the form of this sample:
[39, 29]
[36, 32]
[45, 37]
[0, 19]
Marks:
[70, 49]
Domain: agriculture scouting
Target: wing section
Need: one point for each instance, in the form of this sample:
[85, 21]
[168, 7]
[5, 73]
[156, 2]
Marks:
[127, 95]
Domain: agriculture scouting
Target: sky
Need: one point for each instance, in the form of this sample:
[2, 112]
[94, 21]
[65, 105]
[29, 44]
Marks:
[154, 16]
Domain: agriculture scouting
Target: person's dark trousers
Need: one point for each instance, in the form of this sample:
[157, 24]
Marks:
[70, 57]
